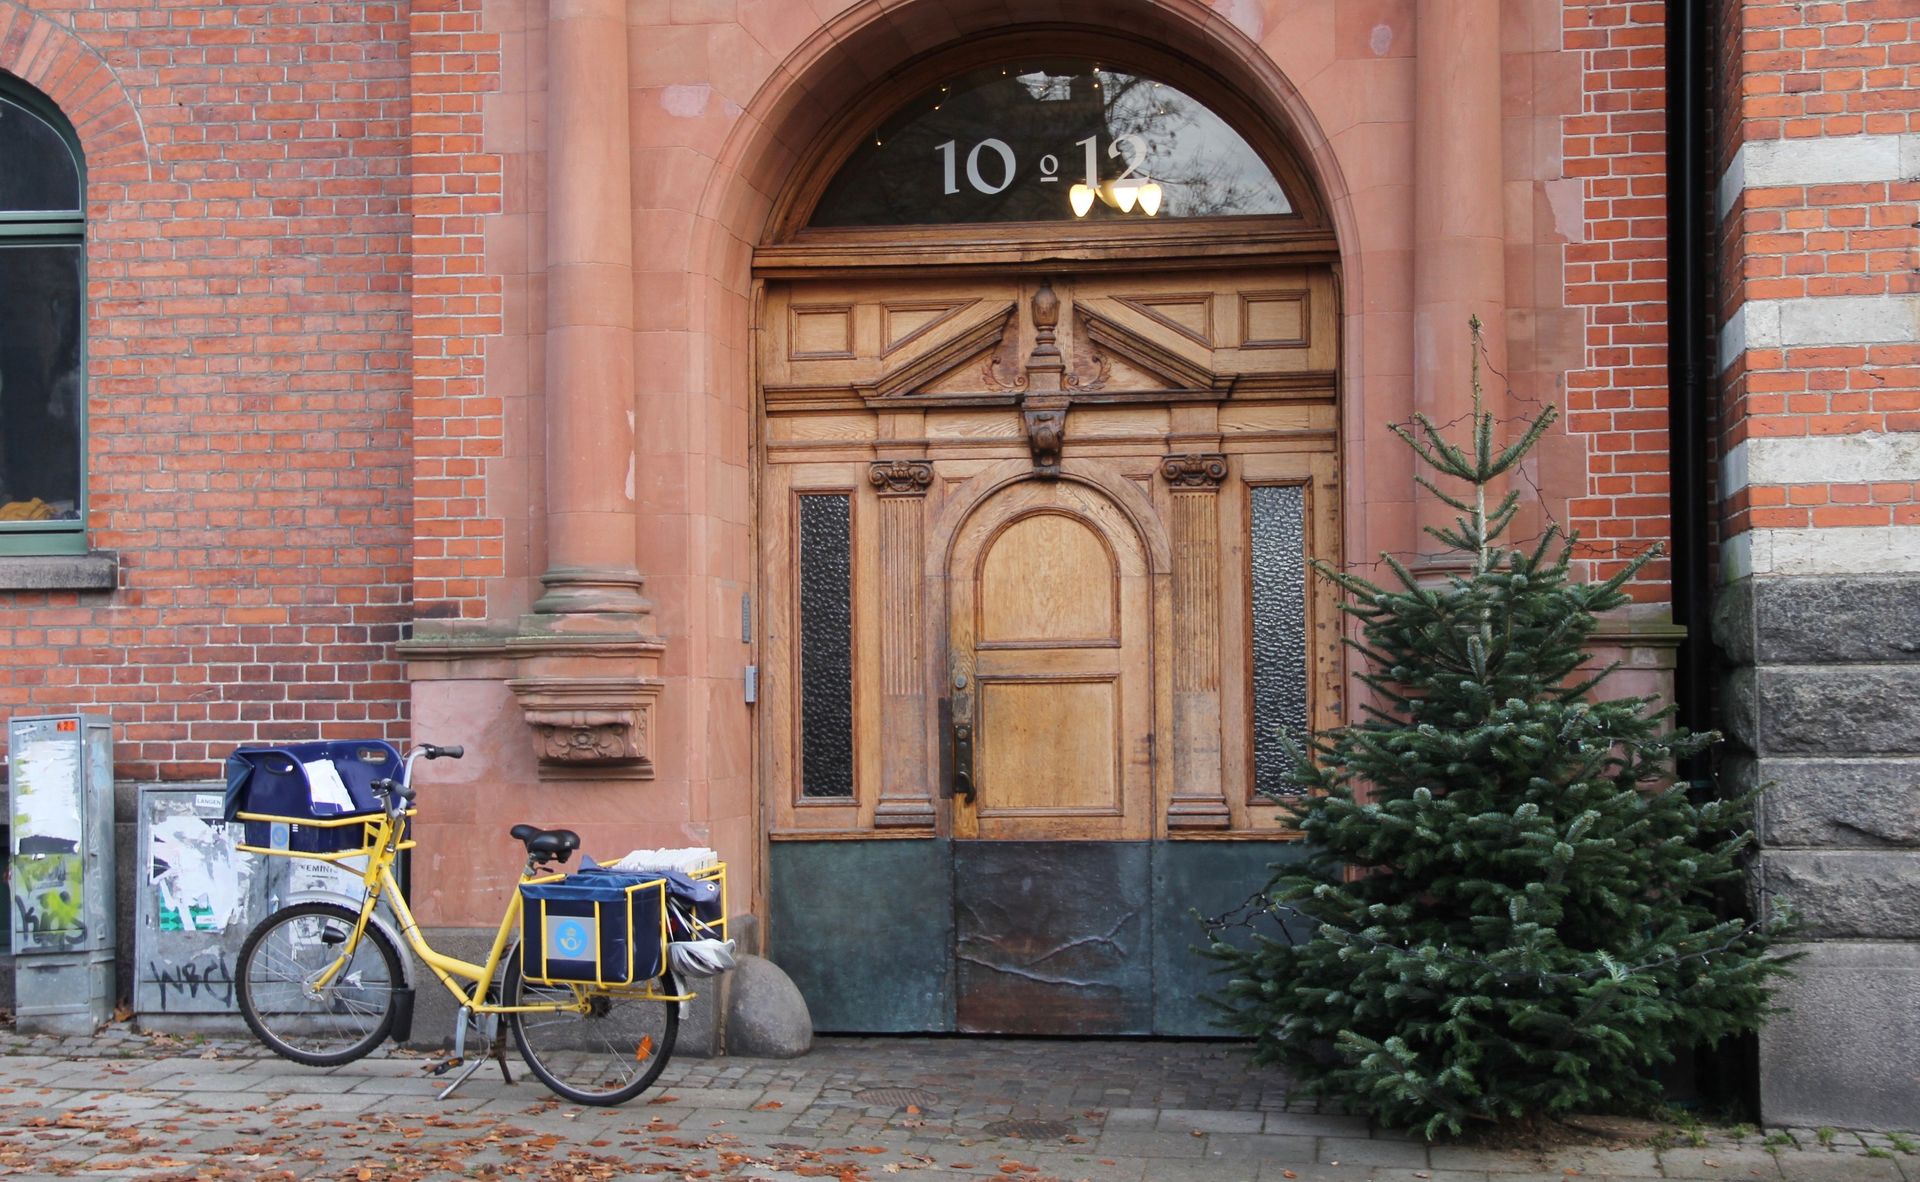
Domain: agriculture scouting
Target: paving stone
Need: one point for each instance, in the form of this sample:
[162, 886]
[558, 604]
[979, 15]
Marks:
[1184, 1120]
[1850, 1166]
[1301, 1151]
[1140, 1118]
[1276, 1172]
[1080, 1165]
[1354, 1151]
[1318, 1124]
[1467, 1157]
[1142, 1143]
[1719, 1163]
[1608, 1163]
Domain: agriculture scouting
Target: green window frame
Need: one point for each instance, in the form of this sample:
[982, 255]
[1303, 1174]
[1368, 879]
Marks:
[48, 232]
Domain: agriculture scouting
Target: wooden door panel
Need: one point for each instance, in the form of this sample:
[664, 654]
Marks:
[1049, 747]
[1050, 629]
[1047, 579]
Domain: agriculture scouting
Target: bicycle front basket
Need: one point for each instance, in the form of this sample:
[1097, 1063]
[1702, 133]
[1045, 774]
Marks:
[271, 785]
[593, 929]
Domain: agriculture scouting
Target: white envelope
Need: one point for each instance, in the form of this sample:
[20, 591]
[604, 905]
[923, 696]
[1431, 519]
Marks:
[325, 786]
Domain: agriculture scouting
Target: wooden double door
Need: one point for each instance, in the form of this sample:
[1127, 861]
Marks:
[1006, 531]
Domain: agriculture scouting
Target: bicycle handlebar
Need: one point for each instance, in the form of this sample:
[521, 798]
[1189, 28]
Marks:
[399, 793]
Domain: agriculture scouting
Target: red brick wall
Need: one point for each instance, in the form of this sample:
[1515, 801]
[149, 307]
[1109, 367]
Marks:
[1616, 396]
[249, 348]
[459, 420]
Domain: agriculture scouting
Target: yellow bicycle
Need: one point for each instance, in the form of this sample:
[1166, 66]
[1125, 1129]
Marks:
[322, 984]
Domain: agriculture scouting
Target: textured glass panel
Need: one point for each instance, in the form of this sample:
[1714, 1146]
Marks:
[1010, 143]
[37, 169]
[40, 383]
[1279, 633]
[826, 646]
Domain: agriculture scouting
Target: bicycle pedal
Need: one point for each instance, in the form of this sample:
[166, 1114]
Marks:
[444, 1066]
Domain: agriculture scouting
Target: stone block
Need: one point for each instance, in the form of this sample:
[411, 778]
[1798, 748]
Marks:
[98, 571]
[1827, 709]
[766, 1016]
[1739, 706]
[1838, 619]
[1733, 621]
[1846, 894]
[1847, 1050]
[1833, 803]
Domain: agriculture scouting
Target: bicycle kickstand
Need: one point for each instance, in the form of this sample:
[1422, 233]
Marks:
[459, 1056]
[498, 1052]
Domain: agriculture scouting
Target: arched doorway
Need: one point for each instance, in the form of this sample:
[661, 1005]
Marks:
[1046, 355]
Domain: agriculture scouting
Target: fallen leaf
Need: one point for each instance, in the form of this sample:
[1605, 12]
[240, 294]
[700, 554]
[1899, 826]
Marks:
[769, 1106]
[664, 1100]
[1288, 1174]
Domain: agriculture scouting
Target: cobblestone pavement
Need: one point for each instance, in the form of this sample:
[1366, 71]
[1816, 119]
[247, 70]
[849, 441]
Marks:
[124, 1105]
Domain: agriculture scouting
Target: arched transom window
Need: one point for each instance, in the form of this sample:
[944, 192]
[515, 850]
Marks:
[1059, 140]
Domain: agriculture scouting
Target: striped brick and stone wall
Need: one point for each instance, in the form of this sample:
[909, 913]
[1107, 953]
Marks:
[1819, 607]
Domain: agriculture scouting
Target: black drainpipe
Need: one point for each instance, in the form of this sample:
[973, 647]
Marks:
[1725, 1076]
[1691, 351]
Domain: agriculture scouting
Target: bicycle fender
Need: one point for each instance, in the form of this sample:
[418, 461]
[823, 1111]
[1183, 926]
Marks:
[377, 919]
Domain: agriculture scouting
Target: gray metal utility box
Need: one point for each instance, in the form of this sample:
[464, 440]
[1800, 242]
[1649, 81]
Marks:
[60, 792]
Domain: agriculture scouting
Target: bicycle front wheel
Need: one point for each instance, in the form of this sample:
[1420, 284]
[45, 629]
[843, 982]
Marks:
[605, 1047]
[310, 992]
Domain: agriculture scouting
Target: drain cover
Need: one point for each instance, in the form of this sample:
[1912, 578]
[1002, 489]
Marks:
[1031, 1130]
[897, 1097]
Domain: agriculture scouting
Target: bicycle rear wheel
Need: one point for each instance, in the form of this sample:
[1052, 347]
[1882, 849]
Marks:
[286, 1007]
[606, 1052]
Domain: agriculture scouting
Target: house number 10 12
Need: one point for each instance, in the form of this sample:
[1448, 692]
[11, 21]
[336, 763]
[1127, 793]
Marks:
[1129, 149]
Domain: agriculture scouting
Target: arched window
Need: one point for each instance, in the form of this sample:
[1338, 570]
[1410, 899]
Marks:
[1059, 140]
[42, 327]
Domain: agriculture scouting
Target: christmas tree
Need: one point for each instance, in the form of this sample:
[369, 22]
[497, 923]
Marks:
[1509, 912]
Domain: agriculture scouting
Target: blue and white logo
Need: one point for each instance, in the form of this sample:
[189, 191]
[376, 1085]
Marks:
[570, 938]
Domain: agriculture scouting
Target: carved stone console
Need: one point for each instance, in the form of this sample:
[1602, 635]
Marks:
[586, 684]
[590, 728]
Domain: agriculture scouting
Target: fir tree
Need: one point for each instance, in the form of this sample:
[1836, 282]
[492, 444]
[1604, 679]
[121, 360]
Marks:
[1509, 912]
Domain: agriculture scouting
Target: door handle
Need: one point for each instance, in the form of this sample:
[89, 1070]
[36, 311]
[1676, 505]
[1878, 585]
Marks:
[963, 760]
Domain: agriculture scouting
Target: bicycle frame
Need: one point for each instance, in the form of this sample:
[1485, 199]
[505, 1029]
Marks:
[381, 853]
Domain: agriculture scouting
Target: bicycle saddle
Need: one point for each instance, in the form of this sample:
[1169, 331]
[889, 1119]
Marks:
[546, 843]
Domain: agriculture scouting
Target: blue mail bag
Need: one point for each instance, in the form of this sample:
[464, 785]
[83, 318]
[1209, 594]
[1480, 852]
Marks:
[693, 904]
[594, 929]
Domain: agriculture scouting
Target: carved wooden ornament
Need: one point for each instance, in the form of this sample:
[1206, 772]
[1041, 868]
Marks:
[898, 478]
[1203, 470]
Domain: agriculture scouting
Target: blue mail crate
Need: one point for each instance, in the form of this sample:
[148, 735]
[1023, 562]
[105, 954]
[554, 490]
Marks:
[593, 929]
[271, 780]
